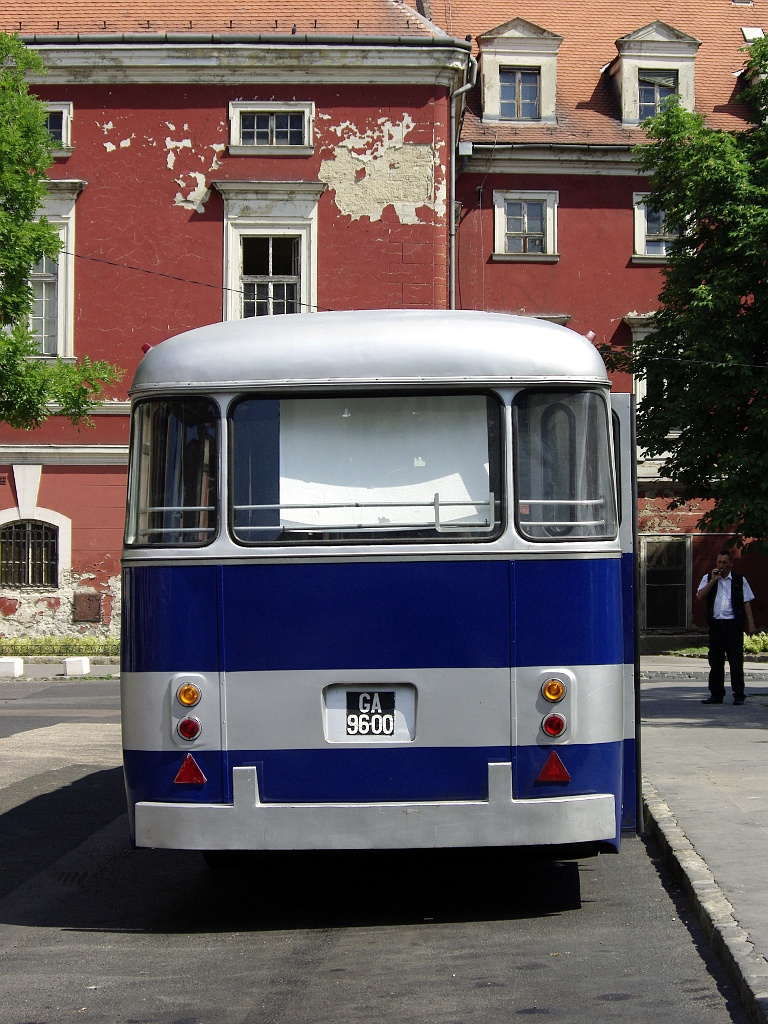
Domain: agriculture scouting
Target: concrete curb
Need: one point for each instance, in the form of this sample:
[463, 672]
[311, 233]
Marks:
[730, 941]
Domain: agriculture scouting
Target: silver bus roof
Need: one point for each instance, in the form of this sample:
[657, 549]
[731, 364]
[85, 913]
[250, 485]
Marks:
[373, 347]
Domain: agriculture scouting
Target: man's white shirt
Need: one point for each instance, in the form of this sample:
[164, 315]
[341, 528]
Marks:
[723, 604]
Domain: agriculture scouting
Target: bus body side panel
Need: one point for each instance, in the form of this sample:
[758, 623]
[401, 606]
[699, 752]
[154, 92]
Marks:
[623, 407]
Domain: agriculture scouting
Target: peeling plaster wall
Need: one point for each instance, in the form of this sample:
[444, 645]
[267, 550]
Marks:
[25, 613]
[150, 250]
[378, 167]
[95, 502]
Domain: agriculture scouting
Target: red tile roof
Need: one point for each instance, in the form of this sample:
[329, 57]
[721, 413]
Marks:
[67, 17]
[587, 106]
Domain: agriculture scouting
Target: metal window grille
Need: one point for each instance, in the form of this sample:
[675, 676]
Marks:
[520, 93]
[654, 88]
[270, 275]
[44, 321]
[525, 229]
[29, 555]
[277, 129]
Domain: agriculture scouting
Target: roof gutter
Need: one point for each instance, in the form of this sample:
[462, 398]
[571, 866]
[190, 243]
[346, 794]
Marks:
[205, 38]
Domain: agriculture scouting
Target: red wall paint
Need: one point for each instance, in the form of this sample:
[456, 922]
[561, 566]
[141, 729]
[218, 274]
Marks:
[594, 280]
[130, 233]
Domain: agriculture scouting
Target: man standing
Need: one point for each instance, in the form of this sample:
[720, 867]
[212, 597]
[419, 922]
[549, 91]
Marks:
[729, 611]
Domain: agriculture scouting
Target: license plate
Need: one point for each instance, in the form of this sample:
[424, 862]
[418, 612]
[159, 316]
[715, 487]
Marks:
[370, 712]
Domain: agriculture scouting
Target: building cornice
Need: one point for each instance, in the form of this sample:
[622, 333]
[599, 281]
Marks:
[145, 58]
[63, 454]
[552, 158]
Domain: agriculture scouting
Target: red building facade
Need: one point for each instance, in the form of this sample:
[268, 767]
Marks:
[276, 158]
[209, 169]
[552, 220]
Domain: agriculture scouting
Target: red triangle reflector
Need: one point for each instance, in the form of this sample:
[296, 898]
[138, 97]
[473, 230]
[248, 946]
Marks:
[190, 771]
[554, 770]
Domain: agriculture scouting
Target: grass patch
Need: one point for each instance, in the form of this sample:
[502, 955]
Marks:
[59, 646]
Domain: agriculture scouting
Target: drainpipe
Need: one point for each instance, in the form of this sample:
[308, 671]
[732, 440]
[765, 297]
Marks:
[452, 191]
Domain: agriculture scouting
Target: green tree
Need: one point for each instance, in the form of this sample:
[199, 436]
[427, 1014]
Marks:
[28, 387]
[706, 361]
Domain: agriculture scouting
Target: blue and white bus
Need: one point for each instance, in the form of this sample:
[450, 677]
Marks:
[377, 587]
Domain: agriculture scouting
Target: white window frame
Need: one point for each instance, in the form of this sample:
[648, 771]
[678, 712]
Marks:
[640, 212]
[550, 201]
[520, 70]
[58, 207]
[520, 45]
[65, 109]
[239, 107]
[27, 482]
[656, 47]
[270, 208]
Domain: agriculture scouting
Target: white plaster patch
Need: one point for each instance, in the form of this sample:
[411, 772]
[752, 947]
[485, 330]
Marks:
[377, 168]
[197, 197]
[218, 148]
[125, 143]
[173, 148]
[106, 127]
[170, 127]
[110, 147]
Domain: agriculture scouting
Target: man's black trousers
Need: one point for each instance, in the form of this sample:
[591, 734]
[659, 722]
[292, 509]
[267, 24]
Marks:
[726, 640]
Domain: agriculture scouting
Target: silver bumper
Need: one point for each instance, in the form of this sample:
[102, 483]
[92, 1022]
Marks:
[249, 824]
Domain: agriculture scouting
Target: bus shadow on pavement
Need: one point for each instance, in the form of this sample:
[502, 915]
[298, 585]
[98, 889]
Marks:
[36, 832]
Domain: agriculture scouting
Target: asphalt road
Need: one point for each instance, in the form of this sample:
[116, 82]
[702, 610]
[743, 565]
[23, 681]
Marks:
[92, 930]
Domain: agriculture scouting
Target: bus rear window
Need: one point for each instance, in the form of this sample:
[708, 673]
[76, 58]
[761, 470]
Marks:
[346, 469]
[563, 473]
[172, 498]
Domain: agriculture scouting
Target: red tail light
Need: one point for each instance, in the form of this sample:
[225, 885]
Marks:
[554, 725]
[189, 728]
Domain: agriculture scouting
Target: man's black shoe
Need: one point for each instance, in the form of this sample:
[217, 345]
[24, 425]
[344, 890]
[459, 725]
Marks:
[713, 700]
[738, 700]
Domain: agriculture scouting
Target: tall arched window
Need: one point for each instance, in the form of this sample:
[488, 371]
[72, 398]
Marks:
[29, 554]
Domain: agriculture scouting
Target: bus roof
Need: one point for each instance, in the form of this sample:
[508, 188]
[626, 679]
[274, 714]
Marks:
[375, 347]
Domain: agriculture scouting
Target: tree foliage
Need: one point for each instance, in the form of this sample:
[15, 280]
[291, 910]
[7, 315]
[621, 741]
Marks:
[706, 361]
[28, 386]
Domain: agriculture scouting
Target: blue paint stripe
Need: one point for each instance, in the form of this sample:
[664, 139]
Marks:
[628, 592]
[375, 615]
[457, 614]
[170, 619]
[376, 774]
[568, 613]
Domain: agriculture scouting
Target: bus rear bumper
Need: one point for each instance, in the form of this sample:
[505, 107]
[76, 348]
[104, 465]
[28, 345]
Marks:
[249, 824]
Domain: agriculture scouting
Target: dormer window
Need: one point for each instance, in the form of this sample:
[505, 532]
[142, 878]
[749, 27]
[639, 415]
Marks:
[654, 63]
[654, 87]
[520, 88]
[518, 65]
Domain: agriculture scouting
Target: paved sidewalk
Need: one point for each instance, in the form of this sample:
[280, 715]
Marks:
[705, 793]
